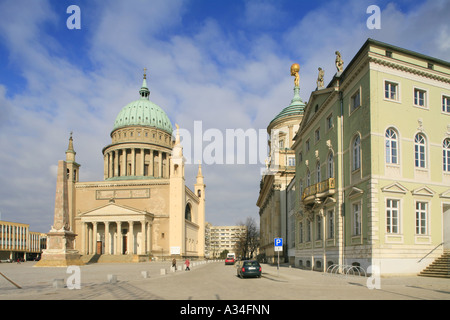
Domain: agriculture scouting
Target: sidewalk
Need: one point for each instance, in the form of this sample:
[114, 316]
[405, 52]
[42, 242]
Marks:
[327, 286]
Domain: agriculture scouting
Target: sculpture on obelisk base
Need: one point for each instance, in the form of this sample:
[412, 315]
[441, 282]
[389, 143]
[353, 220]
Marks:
[60, 250]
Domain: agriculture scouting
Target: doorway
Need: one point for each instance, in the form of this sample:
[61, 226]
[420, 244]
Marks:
[99, 247]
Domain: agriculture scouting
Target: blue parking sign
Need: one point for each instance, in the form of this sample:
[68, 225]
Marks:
[278, 242]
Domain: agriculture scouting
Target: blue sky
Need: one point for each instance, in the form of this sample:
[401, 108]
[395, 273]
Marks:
[225, 63]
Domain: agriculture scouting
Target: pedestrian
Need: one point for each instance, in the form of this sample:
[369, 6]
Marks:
[187, 265]
[174, 264]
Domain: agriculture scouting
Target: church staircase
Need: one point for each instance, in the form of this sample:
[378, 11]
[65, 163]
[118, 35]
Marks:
[440, 268]
[107, 258]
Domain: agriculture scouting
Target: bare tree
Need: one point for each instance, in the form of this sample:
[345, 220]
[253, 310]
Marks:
[249, 241]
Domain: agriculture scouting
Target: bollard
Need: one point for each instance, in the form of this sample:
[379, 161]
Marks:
[112, 278]
[144, 274]
[163, 272]
[58, 283]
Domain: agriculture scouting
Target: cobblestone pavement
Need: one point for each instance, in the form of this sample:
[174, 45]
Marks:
[206, 281]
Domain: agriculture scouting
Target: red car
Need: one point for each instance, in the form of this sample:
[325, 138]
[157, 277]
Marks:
[229, 260]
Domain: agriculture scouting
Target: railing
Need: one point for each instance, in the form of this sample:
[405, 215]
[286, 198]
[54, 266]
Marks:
[321, 187]
[430, 252]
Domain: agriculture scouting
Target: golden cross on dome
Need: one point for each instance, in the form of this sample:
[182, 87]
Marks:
[145, 73]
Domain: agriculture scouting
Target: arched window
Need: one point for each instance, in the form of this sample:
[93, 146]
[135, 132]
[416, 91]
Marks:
[391, 146]
[446, 155]
[356, 153]
[330, 165]
[420, 151]
[187, 213]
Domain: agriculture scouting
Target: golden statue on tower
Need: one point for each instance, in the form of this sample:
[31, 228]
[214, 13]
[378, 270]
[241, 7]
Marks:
[295, 69]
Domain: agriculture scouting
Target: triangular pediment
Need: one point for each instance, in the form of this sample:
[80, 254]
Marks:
[395, 188]
[113, 210]
[423, 191]
[445, 194]
[355, 192]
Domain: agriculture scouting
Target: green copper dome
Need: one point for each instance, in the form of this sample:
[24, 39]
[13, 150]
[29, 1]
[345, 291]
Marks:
[296, 107]
[143, 112]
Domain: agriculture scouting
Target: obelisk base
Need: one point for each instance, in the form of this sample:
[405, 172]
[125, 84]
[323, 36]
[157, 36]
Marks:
[60, 252]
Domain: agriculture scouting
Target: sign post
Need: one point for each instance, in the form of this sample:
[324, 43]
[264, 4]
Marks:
[278, 245]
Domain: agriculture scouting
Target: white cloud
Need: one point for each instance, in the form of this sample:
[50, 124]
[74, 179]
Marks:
[196, 72]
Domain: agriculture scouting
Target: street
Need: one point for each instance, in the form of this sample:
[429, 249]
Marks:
[206, 281]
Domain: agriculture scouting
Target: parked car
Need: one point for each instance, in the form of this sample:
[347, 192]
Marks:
[229, 260]
[249, 268]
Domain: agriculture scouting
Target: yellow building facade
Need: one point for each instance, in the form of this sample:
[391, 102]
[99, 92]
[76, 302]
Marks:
[372, 169]
[142, 208]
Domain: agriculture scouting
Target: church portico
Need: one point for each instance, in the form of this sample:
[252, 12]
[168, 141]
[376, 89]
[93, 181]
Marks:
[116, 230]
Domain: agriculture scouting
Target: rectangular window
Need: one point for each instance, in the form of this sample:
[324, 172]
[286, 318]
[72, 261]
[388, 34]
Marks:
[330, 122]
[330, 224]
[391, 91]
[445, 104]
[421, 217]
[319, 228]
[317, 134]
[307, 145]
[300, 229]
[392, 215]
[291, 161]
[357, 219]
[355, 101]
[420, 97]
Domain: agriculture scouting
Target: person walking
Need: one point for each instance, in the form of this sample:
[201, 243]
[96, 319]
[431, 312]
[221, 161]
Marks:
[187, 263]
[174, 264]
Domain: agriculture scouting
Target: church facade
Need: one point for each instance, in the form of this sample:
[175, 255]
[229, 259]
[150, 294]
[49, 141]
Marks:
[142, 208]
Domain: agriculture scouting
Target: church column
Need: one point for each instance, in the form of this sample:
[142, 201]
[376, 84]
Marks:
[124, 163]
[105, 166]
[160, 164]
[142, 162]
[150, 166]
[116, 163]
[133, 162]
[83, 238]
[89, 240]
[94, 237]
[119, 241]
[130, 239]
[107, 243]
[142, 248]
[149, 237]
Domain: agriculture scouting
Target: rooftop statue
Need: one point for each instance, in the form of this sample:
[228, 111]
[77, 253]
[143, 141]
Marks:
[339, 62]
[295, 69]
[320, 82]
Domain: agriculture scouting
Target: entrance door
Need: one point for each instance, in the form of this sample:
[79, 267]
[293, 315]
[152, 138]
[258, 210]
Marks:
[124, 244]
[99, 247]
[446, 226]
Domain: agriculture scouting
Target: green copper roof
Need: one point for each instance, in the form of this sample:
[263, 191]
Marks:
[296, 107]
[143, 112]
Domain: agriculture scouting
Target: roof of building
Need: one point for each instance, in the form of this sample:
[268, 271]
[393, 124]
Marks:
[143, 112]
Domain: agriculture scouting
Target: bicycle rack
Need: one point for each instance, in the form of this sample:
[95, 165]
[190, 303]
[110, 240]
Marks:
[346, 270]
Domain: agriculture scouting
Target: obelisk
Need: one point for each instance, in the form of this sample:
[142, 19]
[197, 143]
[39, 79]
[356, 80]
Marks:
[60, 250]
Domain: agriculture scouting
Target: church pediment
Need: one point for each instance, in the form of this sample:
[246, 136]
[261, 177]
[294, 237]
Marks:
[113, 210]
[395, 188]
